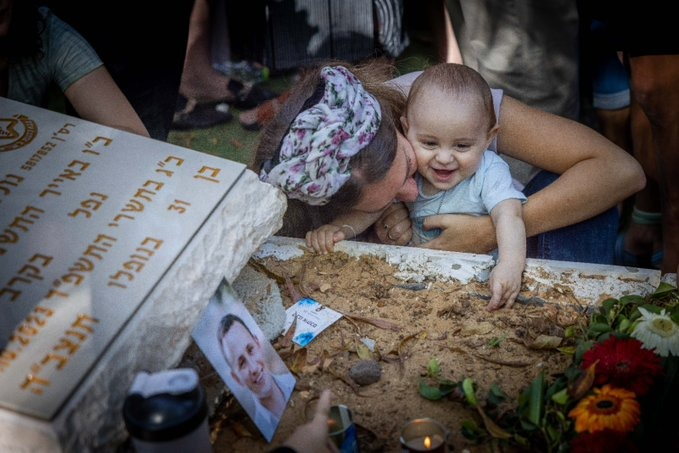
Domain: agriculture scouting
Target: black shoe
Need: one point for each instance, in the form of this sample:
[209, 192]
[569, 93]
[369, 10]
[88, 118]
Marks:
[249, 97]
[189, 114]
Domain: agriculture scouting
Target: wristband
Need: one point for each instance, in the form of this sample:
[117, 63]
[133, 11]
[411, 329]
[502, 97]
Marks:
[351, 228]
[646, 218]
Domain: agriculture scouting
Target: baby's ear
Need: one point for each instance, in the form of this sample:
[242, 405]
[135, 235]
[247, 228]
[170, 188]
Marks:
[404, 124]
[492, 133]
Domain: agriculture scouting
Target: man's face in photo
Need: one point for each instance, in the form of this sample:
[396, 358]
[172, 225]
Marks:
[245, 355]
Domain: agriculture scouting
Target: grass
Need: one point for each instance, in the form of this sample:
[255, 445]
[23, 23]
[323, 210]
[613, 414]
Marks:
[232, 142]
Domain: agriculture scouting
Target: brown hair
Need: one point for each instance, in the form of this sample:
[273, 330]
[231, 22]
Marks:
[456, 80]
[368, 166]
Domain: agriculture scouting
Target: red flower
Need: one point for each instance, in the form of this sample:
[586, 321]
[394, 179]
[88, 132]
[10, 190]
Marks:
[605, 441]
[624, 363]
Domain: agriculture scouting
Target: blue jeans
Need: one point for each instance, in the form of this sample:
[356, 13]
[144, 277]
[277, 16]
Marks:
[590, 241]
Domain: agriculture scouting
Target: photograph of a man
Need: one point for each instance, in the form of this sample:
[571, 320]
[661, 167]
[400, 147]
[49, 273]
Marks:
[245, 355]
[244, 358]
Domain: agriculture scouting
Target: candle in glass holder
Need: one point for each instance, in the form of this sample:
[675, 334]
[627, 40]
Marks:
[342, 430]
[423, 434]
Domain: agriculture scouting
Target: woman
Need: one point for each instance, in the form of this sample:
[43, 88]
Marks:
[37, 49]
[594, 173]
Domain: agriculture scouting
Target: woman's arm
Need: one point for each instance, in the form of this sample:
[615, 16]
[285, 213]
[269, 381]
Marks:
[595, 173]
[595, 176]
[97, 98]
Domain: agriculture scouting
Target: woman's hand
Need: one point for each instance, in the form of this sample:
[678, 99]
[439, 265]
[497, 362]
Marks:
[462, 233]
[393, 227]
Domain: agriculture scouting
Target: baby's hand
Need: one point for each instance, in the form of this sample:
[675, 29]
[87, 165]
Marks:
[505, 284]
[323, 239]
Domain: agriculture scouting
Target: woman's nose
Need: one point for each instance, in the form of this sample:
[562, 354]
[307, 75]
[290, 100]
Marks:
[408, 191]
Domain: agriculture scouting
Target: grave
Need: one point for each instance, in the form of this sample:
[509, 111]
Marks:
[404, 306]
[111, 245]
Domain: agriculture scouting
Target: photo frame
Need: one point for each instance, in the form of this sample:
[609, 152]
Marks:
[244, 358]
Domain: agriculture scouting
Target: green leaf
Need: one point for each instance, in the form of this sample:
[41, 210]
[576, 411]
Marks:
[495, 342]
[568, 350]
[581, 349]
[663, 290]
[570, 332]
[554, 434]
[608, 305]
[430, 392]
[436, 392]
[561, 397]
[470, 430]
[523, 441]
[535, 400]
[598, 328]
[631, 299]
[446, 386]
[624, 325]
[433, 367]
[651, 308]
[496, 396]
[528, 426]
[469, 393]
[674, 314]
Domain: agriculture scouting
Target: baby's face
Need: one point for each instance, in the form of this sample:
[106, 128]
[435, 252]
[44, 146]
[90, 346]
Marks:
[449, 136]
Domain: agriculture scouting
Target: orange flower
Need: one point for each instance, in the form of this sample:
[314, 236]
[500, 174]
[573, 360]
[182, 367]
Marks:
[609, 408]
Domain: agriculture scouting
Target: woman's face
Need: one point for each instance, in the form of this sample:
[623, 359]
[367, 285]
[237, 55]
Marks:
[398, 183]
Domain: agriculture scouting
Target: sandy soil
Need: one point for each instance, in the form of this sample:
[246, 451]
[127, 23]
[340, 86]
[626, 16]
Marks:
[409, 325]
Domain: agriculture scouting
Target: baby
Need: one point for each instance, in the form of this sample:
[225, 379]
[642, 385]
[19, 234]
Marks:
[450, 122]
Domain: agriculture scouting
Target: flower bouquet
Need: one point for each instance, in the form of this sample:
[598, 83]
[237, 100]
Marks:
[619, 394]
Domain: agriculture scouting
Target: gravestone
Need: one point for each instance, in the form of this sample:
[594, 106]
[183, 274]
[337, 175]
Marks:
[111, 245]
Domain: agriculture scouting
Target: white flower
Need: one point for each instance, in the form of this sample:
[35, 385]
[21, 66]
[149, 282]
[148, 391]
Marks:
[657, 332]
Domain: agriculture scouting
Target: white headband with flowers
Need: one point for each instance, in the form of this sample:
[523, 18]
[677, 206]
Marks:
[315, 153]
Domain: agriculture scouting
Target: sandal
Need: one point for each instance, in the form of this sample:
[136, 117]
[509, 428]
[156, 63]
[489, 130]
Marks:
[190, 114]
[647, 260]
[255, 119]
[626, 258]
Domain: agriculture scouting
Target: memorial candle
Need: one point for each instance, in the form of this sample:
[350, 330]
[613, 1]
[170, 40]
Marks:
[342, 430]
[423, 434]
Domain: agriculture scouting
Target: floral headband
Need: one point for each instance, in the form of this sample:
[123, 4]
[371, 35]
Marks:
[314, 157]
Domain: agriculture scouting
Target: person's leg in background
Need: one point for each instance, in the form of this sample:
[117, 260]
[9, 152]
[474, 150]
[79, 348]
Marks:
[205, 91]
[655, 86]
[444, 35]
[646, 33]
[200, 81]
[609, 84]
[640, 242]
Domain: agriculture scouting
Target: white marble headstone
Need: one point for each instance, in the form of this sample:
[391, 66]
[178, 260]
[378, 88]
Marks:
[108, 241]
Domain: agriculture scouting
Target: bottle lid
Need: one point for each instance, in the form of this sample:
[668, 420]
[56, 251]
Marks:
[164, 406]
